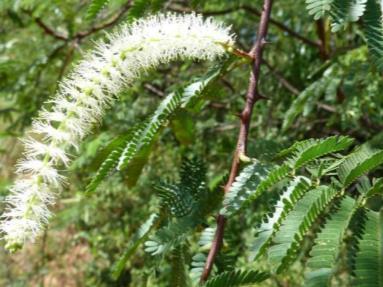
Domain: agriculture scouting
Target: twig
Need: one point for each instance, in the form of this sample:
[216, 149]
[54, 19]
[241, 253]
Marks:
[227, 84]
[218, 106]
[68, 58]
[107, 24]
[282, 79]
[252, 96]
[50, 31]
[255, 12]
[154, 90]
[327, 108]
[75, 40]
[224, 128]
[82, 34]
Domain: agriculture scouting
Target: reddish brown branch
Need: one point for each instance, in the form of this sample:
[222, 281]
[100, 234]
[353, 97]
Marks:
[82, 34]
[50, 31]
[107, 24]
[252, 96]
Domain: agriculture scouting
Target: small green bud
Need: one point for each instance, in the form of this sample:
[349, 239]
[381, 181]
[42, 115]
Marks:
[244, 158]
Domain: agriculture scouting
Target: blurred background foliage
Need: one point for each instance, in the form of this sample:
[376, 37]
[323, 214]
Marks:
[317, 84]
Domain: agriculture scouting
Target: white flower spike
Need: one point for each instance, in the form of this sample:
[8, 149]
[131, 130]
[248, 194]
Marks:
[84, 95]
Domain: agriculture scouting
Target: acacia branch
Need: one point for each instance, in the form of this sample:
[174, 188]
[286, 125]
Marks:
[252, 96]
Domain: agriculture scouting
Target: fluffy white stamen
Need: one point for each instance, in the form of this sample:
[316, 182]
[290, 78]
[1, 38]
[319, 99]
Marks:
[34, 148]
[85, 94]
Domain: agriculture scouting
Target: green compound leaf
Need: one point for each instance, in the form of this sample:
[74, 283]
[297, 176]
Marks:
[296, 224]
[94, 8]
[373, 30]
[369, 258]
[137, 239]
[245, 184]
[237, 278]
[139, 140]
[358, 163]
[328, 244]
[310, 150]
[295, 190]
[318, 8]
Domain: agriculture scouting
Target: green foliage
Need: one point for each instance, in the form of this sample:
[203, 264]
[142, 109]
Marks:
[140, 7]
[294, 191]
[327, 85]
[246, 189]
[373, 28]
[256, 179]
[341, 11]
[189, 202]
[169, 237]
[244, 186]
[152, 202]
[359, 163]
[309, 150]
[180, 199]
[312, 93]
[344, 11]
[318, 8]
[289, 236]
[145, 135]
[175, 199]
[199, 259]
[179, 276]
[368, 262]
[237, 278]
[328, 245]
[95, 7]
[176, 231]
[304, 205]
[137, 239]
[126, 148]
[111, 160]
[376, 188]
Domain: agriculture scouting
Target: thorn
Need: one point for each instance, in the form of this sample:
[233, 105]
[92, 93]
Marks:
[264, 42]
